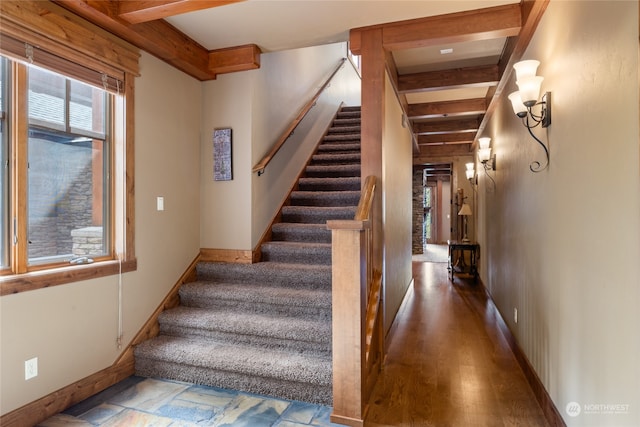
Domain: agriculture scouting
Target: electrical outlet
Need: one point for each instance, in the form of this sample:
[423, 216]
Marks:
[515, 315]
[30, 368]
[160, 203]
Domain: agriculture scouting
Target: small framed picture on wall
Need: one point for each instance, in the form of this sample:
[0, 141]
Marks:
[222, 155]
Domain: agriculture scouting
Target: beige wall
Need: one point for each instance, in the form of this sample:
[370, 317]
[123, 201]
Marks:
[288, 80]
[562, 246]
[396, 205]
[259, 105]
[72, 329]
[226, 102]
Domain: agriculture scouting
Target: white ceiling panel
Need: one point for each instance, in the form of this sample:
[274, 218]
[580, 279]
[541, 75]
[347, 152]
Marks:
[286, 24]
[468, 54]
[446, 95]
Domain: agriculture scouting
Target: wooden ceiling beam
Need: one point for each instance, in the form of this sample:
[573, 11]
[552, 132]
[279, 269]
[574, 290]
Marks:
[482, 76]
[429, 110]
[480, 24]
[429, 152]
[240, 58]
[446, 138]
[160, 39]
[137, 11]
[446, 126]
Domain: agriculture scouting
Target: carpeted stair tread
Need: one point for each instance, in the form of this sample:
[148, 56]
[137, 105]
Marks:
[339, 157]
[346, 121]
[336, 146]
[316, 214]
[238, 296]
[344, 114]
[346, 147]
[260, 329]
[299, 252]
[325, 198]
[300, 232]
[342, 137]
[347, 183]
[301, 276]
[240, 367]
[279, 388]
[238, 358]
[344, 129]
[333, 170]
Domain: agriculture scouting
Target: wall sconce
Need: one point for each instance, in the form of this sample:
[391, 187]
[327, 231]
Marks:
[484, 156]
[526, 98]
[470, 172]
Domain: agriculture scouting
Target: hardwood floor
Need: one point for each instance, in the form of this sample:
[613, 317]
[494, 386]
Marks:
[448, 363]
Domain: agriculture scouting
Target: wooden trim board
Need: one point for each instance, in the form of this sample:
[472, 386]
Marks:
[238, 256]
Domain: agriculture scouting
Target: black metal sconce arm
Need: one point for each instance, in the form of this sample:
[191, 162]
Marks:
[544, 119]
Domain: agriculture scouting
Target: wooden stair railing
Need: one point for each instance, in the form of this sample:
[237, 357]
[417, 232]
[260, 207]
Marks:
[262, 164]
[357, 318]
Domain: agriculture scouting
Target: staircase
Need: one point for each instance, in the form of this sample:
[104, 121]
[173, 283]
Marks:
[265, 328]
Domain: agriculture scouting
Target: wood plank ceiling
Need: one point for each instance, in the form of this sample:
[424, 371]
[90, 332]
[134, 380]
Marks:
[447, 101]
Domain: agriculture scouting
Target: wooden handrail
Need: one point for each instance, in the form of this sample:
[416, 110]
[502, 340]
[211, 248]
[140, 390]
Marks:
[358, 338]
[262, 164]
[363, 211]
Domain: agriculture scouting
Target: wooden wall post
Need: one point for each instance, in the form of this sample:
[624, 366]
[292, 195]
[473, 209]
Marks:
[373, 84]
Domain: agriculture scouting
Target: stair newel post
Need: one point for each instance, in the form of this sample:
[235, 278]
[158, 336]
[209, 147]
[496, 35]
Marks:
[349, 290]
[356, 311]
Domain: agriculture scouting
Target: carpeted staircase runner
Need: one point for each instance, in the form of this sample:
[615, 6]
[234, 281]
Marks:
[266, 328]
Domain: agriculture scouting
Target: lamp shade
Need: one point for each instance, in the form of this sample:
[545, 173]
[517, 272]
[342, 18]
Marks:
[484, 154]
[516, 103]
[484, 142]
[530, 89]
[526, 68]
[465, 210]
[470, 166]
[469, 173]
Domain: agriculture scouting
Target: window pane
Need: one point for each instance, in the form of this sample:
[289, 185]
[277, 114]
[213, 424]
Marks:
[86, 109]
[68, 197]
[47, 98]
[4, 167]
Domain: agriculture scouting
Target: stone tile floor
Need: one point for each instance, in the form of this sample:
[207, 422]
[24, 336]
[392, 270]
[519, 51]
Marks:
[146, 402]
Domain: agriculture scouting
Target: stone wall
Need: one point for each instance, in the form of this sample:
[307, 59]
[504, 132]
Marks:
[87, 241]
[60, 196]
[417, 244]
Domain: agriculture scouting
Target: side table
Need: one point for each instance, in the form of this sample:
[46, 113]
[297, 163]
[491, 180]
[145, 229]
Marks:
[458, 264]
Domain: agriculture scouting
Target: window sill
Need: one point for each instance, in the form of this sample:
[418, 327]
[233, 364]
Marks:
[17, 283]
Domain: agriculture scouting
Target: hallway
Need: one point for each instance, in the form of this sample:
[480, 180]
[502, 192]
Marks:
[448, 363]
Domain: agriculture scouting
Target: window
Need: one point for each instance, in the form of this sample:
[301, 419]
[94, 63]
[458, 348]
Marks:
[66, 134]
[67, 215]
[68, 169]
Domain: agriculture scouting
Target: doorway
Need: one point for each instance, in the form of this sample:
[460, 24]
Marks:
[436, 207]
[429, 230]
